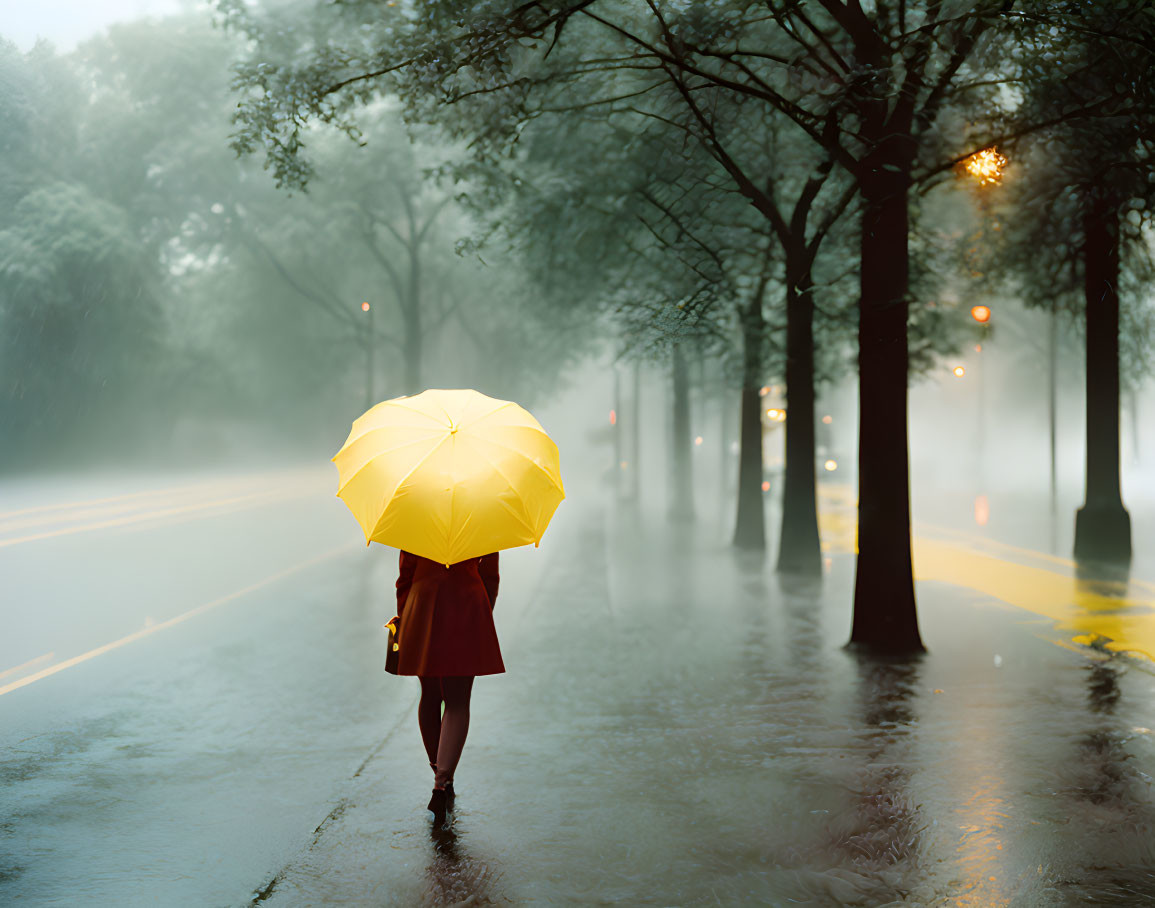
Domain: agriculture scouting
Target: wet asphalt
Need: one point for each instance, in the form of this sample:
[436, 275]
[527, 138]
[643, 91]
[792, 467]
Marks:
[677, 726]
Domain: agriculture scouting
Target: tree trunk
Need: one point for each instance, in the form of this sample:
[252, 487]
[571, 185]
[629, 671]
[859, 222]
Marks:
[749, 528]
[1053, 401]
[633, 465]
[799, 549]
[1102, 524]
[884, 608]
[370, 365]
[413, 356]
[616, 429]
[1133, 402]
[413, 332]
[682, 489]
[725, 431]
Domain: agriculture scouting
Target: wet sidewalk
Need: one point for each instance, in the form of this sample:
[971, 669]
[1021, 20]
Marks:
[678, 727]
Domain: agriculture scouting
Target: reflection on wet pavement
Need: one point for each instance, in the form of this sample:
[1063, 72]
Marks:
[453, 877]
[679, 726]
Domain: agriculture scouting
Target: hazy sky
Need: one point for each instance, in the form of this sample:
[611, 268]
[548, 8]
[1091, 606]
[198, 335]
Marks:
[66, 22]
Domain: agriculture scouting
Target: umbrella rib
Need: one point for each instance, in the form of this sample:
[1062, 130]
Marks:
[399, 405]
[527, 457]
[392, 496]
[525, 514]
[448, 418]
[362, 468]
[471, 424]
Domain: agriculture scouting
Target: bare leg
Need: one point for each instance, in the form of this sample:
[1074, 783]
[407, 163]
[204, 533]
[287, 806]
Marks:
[454, 725]
[429, 715]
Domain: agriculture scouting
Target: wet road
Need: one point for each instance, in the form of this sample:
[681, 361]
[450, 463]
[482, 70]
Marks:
[677, 726]
[665, 738]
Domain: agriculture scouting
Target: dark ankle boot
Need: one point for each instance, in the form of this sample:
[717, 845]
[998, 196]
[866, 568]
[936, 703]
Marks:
[438, 803]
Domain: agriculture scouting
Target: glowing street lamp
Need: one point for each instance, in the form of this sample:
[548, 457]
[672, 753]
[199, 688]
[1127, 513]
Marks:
[985, 166]
[981, 314]
[959, 371]
[982, 510]
[365, 307]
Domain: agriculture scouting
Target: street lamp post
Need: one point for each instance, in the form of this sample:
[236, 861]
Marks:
[617, 434]
[1052, 413]
[985, 168]
[982, 315]
[366, 308]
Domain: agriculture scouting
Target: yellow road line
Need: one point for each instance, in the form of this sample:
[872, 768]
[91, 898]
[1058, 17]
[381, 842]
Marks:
[152, 629]
[28, 664]
[76, 514]
[4, 515]
[219, 485]
[976, 539]
[1120, 623]
[190, 488]
[1086, 611]
[147, 515]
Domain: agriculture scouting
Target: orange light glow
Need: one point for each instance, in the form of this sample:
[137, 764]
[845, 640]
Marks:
[959, 371]
[982, 510]
[698, 440]
[828, 419]
[981, 314]
[763, 391]
[364, 307]
[765, 487]
[613, 417]
[830, 466]
[986, 166]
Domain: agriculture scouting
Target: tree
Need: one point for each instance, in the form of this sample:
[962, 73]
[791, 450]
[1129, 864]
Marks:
[74, 284]
[74, 280]
[1074, 230]
[866, 86]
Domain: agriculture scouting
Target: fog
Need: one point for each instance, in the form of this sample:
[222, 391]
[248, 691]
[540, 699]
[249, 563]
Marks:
[191, 319]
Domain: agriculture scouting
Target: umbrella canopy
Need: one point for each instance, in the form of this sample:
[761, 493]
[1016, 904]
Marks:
[449, 475]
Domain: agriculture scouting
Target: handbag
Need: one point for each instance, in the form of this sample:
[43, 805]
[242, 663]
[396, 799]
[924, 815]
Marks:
[393, 648]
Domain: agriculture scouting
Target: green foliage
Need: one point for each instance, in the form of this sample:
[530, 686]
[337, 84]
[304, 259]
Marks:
[1088, 75]
[152, 285]
[579, 115]
[75, 285]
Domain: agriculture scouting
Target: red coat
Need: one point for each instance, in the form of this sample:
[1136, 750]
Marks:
[447, 617]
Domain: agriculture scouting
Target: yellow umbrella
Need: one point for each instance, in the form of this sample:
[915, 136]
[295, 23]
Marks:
[449, 475]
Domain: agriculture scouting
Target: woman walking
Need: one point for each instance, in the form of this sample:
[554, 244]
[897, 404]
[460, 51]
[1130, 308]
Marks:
[446, 476]
[446, 638]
